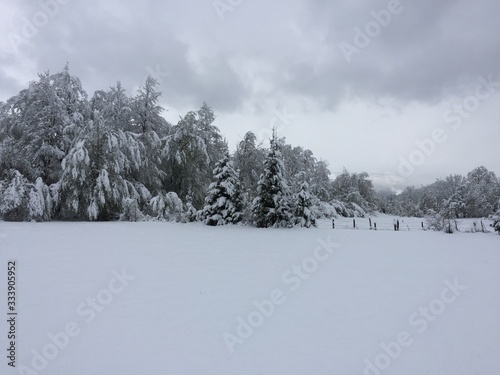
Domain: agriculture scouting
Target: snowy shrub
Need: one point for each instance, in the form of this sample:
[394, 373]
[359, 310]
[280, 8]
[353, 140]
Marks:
[449, 227]
[340, 208]
[438, 222]
[40, 202]
[14, 198]
[349, 209]
[138, 193]
[190, 212]
[131, 211]
[167, 207]
[324, 210]
[55, 197]
[24, 201]
[356, 211]
[435, 221]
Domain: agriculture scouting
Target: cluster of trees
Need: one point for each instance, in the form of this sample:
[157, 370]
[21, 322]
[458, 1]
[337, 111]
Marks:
[456, 196]
[66, 156]
[475, 195]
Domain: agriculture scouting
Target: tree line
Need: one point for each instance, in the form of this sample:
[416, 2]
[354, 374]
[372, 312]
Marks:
[65, 156]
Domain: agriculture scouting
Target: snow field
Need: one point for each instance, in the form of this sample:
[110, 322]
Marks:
[383, 302]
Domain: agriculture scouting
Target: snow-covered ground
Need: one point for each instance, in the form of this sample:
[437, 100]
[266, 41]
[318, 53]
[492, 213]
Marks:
[163, 298]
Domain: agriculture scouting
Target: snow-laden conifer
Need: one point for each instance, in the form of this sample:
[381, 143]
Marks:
[223, 202]
[271, 207]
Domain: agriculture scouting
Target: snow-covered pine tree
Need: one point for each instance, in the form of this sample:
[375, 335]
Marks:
[223, 204]
[304, 215]
[271, 207]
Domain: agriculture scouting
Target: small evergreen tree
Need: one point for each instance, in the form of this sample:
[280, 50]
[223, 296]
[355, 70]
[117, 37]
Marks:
[271, 207]
[303, 212]
[223, 203]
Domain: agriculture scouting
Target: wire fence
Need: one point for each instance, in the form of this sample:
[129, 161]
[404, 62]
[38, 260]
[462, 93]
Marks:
[403, 224]
[373, 224]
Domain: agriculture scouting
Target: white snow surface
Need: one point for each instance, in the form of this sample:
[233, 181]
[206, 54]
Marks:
[192, 283]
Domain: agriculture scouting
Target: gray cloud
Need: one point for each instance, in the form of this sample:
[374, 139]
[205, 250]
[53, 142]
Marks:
[427, 52]
[104, 44]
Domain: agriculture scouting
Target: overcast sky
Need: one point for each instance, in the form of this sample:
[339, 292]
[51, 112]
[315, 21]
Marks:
[357, 82]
